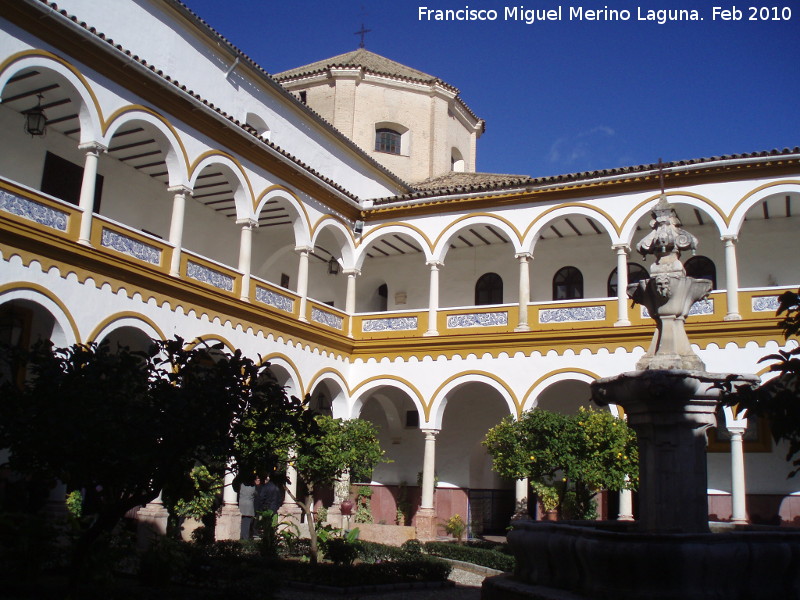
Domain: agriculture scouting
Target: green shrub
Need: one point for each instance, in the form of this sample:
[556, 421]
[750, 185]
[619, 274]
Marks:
[424, 568]
[163, 560]
[494, 559]
[373, 552]
[412, 547]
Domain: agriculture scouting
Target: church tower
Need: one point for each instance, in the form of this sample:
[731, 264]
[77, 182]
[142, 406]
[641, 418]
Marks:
[414, 124]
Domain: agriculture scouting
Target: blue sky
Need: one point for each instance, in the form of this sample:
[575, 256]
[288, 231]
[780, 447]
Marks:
[562, 96]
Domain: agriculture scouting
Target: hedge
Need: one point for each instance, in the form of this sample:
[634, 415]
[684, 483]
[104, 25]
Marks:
[494, 559]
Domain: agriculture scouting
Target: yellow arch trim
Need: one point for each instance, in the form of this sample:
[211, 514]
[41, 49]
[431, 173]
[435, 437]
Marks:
[617, 228]
[210, 337]
[35, 287]
[492, 217]
[49, 55]
[230, 157]
[725, 219]
[466, 374]
[124, 315]
[744, 198]
[139, 108]
[318, 376]
[398, 224]
[266, 359]
[335, 219]
[547, 376]
[392, 378]
[283, 188]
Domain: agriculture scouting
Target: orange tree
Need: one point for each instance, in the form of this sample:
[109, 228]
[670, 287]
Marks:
[124, 426]
[568, 457]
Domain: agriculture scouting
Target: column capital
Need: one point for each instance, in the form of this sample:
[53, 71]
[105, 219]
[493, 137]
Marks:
[247, 222]
[95, 147]
[180, 189]
[729, 238]
[623, 247]
[526, 256]
[430, 434]
[304, 249]
[354, 272]
[435, 264]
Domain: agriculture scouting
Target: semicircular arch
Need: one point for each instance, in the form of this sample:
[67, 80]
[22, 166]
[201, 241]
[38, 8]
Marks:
[126, 319]
[442, 242]
[533, 231]
[363, 390]
[439, 399]
[37, 294]
[676, 197]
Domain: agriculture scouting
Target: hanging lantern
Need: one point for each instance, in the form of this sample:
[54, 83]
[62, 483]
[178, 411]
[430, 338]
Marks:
[333, 266]
[35, 119]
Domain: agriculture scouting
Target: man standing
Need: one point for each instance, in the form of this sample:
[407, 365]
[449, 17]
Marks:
[247, 496]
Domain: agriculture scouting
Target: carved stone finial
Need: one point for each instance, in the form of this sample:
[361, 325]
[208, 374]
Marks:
[667, 240]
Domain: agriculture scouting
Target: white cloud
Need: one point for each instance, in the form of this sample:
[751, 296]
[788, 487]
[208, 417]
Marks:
[570, 149]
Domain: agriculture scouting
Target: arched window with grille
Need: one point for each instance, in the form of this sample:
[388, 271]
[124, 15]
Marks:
[387, 140]
[489, 289]
[636, 272]
[702, 267]
[568, 284]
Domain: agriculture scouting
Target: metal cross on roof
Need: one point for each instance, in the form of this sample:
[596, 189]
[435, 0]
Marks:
[661, 174]
[362, 32]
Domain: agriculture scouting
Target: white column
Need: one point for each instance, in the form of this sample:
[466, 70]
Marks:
[86, 203]
[302, 279]
[246, 254]
[521, 498]
[738, 491]
[429, 468]
[622, 285]
[350, 301]
[732, 278]
[176, 226]
[625, 505]
[433, 298]
[229, 496]
[524, 290]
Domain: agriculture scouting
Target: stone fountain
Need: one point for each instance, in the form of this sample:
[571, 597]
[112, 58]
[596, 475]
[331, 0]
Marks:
[670, 401]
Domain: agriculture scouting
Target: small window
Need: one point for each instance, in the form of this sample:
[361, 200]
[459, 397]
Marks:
[383, 297]
[636, 272]
[702, 267]
[568, 284]
[412, 418]
[63, 179]
[489, 289]
[285, 281]
[387, 140]
[456, 161]
[303, 97]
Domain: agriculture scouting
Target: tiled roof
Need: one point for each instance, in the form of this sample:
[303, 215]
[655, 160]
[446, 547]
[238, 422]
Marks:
[455, 180]
[487, 182]
[362, 57]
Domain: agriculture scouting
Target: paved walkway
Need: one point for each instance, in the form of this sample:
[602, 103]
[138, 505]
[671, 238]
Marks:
[468, 587]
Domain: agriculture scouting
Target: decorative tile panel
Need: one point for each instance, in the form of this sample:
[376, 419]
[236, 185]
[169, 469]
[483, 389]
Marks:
[765, 303]
[570, 314]
[210, 276]
[131, 247]
[389, 324]
[274, 299]
[326, 318]
[33, 211]
[701, 307]
[477, 320]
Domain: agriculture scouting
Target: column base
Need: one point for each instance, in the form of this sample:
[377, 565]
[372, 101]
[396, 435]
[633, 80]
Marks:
[430, 333]
[86, 243]
[229, 523]
[525, 327]
[622, 323]
[732, 317]
[152, 523]
[426, 524]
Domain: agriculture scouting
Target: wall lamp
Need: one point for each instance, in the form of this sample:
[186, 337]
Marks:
[35, 119]
[333, 266]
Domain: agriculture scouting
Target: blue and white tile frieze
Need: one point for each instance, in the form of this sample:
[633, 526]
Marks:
[33, 211]
[326, 318]
[389, 324]
[274, 299]
[131, 247]
[477, 320]
[701, 307]
[765, 303]
[570, 314]
[209, 276]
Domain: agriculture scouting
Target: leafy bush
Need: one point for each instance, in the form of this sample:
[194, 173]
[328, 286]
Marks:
[494, 559]
[412, 547]
[423, 568]
[163, 560]
[373, 552]
[456, 526]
